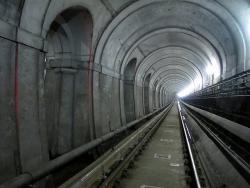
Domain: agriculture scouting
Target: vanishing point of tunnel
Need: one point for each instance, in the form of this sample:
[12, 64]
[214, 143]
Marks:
[125, 93]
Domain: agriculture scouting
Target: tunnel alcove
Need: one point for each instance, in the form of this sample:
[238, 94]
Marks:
[146, 94]
[67, 81]
[129, 99]
[154, 97]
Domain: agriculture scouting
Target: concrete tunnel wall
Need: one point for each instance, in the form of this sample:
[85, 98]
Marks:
[48, 108]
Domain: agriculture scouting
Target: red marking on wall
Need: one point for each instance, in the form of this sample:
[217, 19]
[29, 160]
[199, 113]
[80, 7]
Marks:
[16, 87]
[90, 78]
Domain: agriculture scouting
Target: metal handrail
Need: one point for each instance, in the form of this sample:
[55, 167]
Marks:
[32, 176]
[186, 133]
[226, 86]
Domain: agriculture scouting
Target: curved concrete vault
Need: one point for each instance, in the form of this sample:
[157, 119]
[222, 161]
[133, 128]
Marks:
[74, 70]
[194, 36]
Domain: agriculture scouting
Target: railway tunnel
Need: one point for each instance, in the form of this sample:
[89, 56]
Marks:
[124, 93]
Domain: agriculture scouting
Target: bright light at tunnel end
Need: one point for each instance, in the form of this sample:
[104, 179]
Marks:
[185, 91]
[212, 69]
[192, 87]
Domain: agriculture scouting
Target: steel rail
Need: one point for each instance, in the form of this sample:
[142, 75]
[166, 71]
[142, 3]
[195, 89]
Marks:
[139, 145]
[236, 159]
[32, 176]
[104, 170]
[235, 128]
[186, 135]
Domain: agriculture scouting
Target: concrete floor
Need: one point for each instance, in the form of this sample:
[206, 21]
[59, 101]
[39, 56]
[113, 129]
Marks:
[161, 164]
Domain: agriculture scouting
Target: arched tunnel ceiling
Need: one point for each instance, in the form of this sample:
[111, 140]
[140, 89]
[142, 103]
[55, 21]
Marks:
[173, 76]
[196, 42]
[189, 40]
[211, 32]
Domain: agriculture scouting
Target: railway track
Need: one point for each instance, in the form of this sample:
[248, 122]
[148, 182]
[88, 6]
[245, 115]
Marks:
[164, 152]
[227, 148]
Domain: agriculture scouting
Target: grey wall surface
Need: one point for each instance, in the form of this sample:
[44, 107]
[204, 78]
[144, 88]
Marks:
[49, 108]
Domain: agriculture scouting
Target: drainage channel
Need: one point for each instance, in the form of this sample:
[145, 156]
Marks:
[155, 156]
